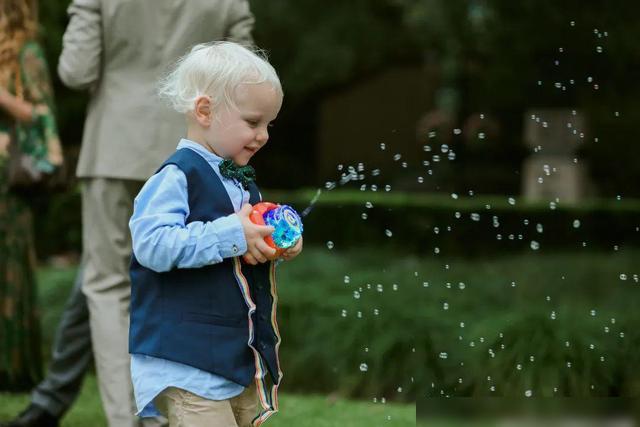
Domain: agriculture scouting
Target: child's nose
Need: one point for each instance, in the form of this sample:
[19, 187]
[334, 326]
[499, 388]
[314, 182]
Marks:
[263, 136]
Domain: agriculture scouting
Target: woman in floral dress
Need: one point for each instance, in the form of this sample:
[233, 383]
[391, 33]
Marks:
[26, 120]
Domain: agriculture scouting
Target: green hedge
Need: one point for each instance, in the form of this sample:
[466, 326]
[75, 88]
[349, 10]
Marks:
[532, 304]
[412, 218]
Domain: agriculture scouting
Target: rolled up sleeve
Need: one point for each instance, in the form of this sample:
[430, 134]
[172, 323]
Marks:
[162, 240]
[80, 62]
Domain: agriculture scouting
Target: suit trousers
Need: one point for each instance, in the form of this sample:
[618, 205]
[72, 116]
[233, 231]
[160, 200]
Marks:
[107, 205]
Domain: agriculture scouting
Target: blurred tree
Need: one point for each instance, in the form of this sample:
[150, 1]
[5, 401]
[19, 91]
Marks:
[70, 104]
[317, 46]
[492, 55]
[506, 57]
[314, 47]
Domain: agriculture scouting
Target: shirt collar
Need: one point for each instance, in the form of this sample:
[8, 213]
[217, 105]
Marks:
[208, 155]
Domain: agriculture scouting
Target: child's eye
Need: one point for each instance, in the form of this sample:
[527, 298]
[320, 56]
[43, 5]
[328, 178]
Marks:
[252, 123]
[271, 125]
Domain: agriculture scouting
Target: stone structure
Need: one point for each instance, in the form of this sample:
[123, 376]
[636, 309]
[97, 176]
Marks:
[552, 171]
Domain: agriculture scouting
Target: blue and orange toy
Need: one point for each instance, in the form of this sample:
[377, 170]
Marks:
[285, 220]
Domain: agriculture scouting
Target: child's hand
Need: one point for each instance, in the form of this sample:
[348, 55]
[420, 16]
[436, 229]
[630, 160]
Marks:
[292, 252]
[257, 249]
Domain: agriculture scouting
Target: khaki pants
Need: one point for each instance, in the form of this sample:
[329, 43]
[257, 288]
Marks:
[185, 409]
[107, 205]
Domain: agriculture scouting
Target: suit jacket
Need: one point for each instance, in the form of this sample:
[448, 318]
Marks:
[118, 49]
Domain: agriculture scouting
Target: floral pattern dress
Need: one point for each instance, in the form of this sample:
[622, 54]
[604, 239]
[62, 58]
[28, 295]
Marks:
[20, 346]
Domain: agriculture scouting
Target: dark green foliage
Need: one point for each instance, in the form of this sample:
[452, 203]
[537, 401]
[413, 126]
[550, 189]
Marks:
[411, 328]
[57, 222]
[499, 56]
[401, 331]
[557, 299]
[413, 218]
[70, 104]
[491, 53]
[317, 45]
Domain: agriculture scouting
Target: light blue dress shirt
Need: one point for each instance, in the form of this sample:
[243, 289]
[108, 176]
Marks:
[162, 241]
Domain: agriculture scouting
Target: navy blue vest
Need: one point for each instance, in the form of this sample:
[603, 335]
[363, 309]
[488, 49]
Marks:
[219, 318]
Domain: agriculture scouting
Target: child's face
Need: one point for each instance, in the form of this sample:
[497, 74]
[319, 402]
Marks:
[239, 133]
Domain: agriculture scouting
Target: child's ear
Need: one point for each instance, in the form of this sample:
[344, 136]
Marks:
[202, 110]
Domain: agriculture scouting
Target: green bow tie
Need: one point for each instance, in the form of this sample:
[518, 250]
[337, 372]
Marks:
[244, 174]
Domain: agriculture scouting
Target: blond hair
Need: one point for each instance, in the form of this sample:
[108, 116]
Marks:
[18, 25]
[216, 70]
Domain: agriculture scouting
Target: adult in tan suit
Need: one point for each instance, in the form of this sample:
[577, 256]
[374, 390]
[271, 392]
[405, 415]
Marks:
[118, 49]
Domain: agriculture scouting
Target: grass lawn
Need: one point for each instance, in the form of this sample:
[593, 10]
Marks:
[298, 410]
[295, 410]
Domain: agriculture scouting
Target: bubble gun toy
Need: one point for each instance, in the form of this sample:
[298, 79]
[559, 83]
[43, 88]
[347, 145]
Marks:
[285, 220]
